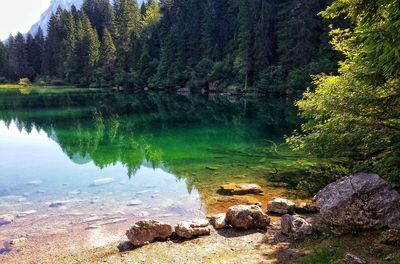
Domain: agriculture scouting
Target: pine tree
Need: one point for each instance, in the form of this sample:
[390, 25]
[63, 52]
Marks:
[101, 16]
[107, 54]
[128, 21]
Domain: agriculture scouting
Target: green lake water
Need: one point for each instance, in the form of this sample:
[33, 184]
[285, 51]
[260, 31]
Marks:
[74, 154]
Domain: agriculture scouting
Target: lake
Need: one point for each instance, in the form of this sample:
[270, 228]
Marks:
[79, 166]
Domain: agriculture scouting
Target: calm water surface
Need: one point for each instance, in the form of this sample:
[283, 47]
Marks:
[92, 159]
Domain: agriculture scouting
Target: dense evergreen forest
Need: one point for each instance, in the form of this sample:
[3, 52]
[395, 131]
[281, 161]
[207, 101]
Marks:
[271, 46]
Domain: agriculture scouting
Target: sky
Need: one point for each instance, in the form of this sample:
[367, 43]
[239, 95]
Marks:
[19, 15]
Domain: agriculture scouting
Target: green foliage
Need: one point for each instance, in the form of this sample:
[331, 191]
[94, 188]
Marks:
[325, 254]
[266, 45]
[356, 114]
[25, 82]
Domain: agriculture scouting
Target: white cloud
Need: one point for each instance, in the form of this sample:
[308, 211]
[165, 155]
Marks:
[20, 15]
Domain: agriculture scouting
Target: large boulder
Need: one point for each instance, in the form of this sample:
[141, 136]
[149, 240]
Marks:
[281, 206]
[148, 231]
[241, 189]
[360, 201]
[193, 228]
[246, 217]
[297, 226]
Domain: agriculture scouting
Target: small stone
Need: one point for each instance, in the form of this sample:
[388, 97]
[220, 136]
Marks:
[297, 226]
[281, 206]
[18, 241]
[134, 203]
[246, 217]
[241, 189]
[193, 228]
[125, 246]
[57, 204]
[218, 221]
[355, 259]
[305, 208]
[148, 231]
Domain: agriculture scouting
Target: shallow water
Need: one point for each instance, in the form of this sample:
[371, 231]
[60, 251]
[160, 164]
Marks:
[98, 161]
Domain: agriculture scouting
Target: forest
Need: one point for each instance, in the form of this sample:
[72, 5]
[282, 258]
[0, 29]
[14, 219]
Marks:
[269, 46]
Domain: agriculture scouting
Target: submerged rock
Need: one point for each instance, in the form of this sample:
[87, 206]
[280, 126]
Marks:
[148, 231]
[297, 226]
[25, 213]
[134, 203]
[35, 183]
[305, 208]
[193, 228]
[360, 201]
[238, 200]
[241, 189]
[281, 206]
[18, 241]
[218, 221]
[56, 204]
[247, 217]
[6, 219]
[103, 181]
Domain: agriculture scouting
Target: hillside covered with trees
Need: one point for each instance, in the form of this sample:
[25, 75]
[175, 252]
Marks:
[269, 46]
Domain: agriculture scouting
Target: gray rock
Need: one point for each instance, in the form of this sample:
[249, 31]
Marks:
[355, 259]
[281, 206]
[297, 226]
[218, 221]
[305, 208]
[148, 231]
[125, 246]
[246, 217]
[360, 201]
[193, 228]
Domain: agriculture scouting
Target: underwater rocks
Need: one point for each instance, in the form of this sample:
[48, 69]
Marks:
[148, 231]
[193, 228]
[359, 202]
[103, 181]
[247, 217]
[241, 189]
[56, 204]
[6, 219]
[297, 226]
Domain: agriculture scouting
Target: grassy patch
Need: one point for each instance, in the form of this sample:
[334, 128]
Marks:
[324, 254]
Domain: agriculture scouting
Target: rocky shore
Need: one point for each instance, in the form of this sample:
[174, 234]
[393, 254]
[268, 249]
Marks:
[360, 206]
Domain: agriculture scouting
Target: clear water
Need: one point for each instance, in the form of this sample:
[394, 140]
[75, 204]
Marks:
[91, 158]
